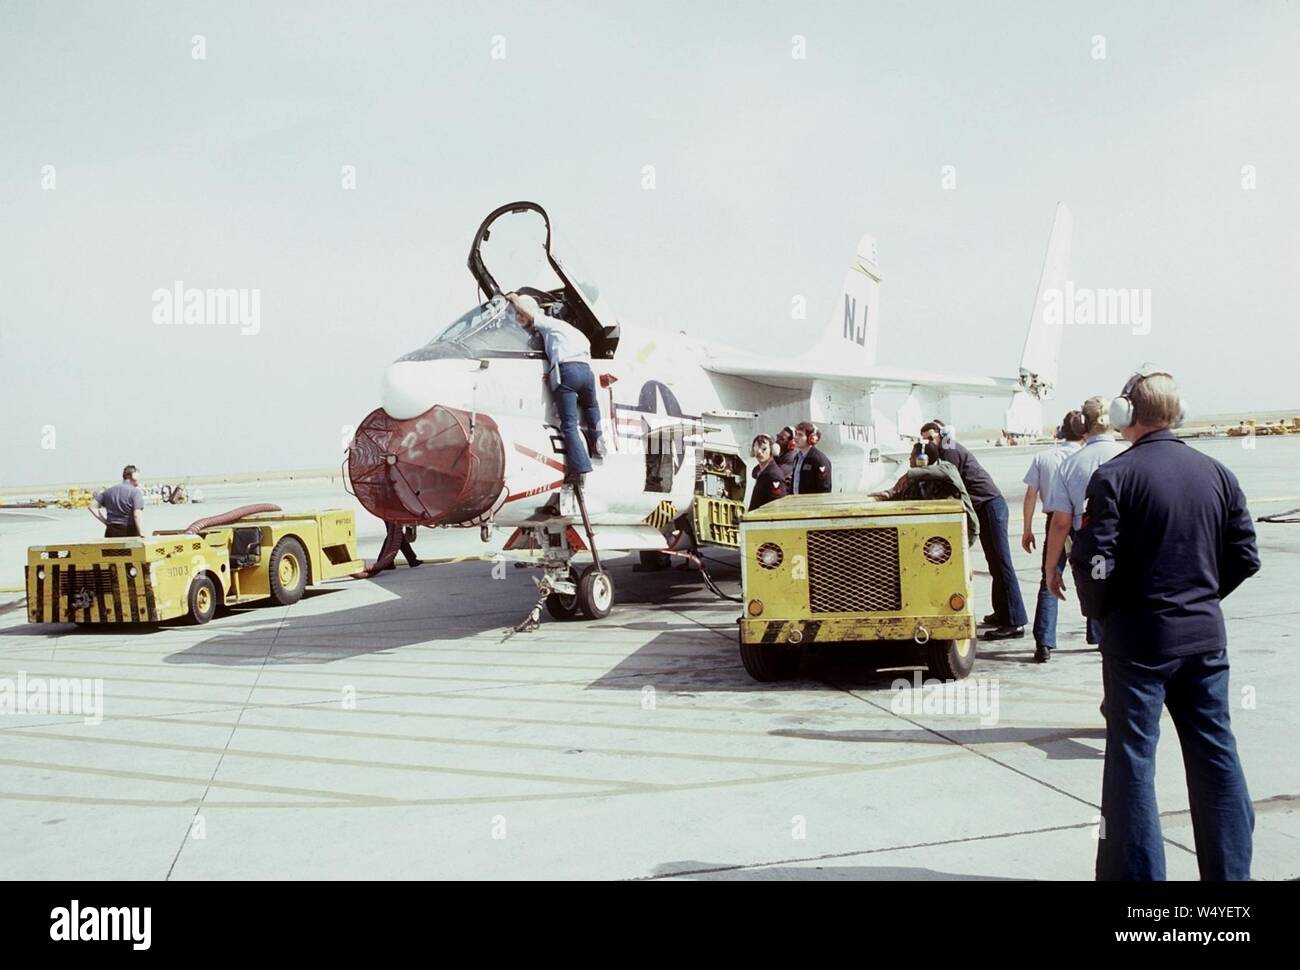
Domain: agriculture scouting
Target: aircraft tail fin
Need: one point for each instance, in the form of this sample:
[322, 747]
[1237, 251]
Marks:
[1040, 360]
[853, 329]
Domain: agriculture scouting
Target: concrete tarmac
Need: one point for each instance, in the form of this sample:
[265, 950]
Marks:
[390, 729]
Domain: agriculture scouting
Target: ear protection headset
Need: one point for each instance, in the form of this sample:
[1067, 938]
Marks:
[1121, 408]
[814, 436]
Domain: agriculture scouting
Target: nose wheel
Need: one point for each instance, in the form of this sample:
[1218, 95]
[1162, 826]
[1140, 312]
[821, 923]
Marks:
[567, 593]
[593, 597]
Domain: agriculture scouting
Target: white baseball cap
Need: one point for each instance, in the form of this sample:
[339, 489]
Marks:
[528, 305]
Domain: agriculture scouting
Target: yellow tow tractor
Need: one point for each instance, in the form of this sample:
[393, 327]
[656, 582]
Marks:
[225, 560]
[848, 568]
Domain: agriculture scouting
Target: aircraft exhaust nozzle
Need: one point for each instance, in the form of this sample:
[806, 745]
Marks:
[445, 466]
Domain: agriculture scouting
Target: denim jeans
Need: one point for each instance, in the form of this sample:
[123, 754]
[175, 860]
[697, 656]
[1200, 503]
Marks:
[577, 394]
[1045, 609]
[1008, 606]
[1195, 689]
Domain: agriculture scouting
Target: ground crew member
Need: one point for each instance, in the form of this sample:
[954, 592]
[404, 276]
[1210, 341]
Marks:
[1068, 489]
[123, 506]
[1166, 536]
[769, 481]
[1039, 478]
[930, 477]
[788, 454]
[1008, 614]
[397, 538]
[811, 472]
[570, 377]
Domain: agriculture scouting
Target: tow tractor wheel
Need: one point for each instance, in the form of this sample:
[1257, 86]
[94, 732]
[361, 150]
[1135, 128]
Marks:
[768, 662]
[202, 600]
[562, 606]
[288, 568]
[595, 593]
[950, 659]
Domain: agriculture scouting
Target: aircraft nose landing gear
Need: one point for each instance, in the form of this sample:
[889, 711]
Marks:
[564, 591]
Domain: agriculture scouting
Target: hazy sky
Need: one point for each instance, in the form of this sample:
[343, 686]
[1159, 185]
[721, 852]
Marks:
[226, 172]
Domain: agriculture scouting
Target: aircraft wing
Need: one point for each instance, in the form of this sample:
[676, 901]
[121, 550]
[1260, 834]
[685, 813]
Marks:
[794, 374]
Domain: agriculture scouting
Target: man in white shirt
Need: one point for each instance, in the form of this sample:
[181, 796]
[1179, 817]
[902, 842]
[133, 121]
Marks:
[1068, 492]
[1039, 479]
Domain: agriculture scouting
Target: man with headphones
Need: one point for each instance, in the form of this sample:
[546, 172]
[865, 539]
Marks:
[811, 472]
[1166, 535]
[788, 454]
[769, 481]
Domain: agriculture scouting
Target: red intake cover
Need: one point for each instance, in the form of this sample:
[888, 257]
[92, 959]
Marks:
[445, 466]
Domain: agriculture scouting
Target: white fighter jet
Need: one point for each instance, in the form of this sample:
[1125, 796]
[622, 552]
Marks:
[468, 433]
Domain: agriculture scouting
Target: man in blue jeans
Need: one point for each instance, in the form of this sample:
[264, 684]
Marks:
[569, 375]
[1037, 479]
[1166, 535]
[1008, 614]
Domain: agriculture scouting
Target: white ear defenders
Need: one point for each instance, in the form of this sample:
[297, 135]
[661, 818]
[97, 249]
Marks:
[1121, 408]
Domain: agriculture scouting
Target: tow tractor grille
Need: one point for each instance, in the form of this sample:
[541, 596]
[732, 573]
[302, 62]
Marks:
[94, 581]
[853, 571]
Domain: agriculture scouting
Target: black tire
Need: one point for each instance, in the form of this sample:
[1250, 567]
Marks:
[563, 607]
[946, 659]
[202, 600]
[595, 593]
[770, 662]
[288, 583]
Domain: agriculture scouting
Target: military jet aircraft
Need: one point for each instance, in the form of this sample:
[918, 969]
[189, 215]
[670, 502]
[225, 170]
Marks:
[467, 433]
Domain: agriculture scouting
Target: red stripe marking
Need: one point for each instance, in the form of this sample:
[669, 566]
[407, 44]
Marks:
[544, 459]
[540, 490]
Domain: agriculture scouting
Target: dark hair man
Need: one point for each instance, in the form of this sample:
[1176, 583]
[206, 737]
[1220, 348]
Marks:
[1008, 607]
[787, 454]
[769, 482]
[812, 470]
[123, 506]
[1166, 536]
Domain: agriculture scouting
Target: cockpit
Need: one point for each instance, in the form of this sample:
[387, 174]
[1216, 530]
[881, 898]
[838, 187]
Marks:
[488, 330]
[521, 251]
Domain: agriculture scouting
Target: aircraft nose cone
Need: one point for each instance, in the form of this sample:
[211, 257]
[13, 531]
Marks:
[412, 387]
[441, 466]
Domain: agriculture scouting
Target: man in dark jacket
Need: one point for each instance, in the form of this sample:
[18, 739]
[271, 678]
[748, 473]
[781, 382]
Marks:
[1166, 535]
[812, 470]
[769, 481]
[1008, 616]
[787, 454]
